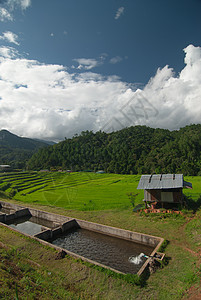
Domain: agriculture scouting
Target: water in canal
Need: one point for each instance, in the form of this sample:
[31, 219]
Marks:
[30, 225]
[110, 251]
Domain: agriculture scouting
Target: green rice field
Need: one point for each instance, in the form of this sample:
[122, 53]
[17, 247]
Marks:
[79, 191]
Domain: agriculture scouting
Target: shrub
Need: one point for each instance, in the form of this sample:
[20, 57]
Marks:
[163, 246]
[12, 193]
[5, 186]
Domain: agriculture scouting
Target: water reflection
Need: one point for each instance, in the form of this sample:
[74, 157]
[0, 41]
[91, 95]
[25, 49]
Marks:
[30, 225]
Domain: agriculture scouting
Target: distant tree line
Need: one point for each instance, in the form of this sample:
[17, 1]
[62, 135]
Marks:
[133, 150]
[16, 151]
[16, 158]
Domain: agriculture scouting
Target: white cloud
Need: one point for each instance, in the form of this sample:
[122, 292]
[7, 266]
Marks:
[8, 52]
[24, 4]
[10, 37]
[87, 63]
[177, 98]
[119, 12]
[7, 7]
[45, 101]
[115, 60]
[5, 15]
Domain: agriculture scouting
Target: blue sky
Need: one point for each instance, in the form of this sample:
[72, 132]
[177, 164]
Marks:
[68, 66]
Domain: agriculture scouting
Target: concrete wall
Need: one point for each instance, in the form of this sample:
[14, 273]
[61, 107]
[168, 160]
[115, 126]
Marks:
[3, 218]
[121, 233]
[10, 205]
[108, 230]
[67, 223]
[22, 213]
[49, 234]
[48, 216]
[44, 235]
[18, 214]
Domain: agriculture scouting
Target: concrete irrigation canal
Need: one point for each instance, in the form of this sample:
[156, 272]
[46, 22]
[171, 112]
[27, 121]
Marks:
[102, 245]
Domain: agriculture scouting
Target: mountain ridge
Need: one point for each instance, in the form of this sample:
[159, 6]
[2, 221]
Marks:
[133, 150]
[10, 139]
[15, 150]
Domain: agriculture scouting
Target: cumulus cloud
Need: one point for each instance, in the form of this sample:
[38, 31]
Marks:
[119, 12]
[8, 52]
[115, 60]
[13, 3]
[177, 98]
[46, 101]
[10, 37]
[5, 15]
[87, 63]
[24, 3]
[7, 7]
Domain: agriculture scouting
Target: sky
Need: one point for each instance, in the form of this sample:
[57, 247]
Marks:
[68, 66]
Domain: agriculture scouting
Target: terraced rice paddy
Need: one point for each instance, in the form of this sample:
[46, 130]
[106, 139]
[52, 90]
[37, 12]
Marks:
[79, 191]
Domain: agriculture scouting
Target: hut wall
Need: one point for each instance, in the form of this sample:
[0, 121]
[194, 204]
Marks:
[177, 196]
[152, 195]
[155, 195]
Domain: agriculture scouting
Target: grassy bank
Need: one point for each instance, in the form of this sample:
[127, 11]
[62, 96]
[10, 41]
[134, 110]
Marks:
[31, 270]
[41, 276]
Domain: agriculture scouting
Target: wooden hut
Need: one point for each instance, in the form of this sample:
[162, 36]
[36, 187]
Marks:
[163, 190]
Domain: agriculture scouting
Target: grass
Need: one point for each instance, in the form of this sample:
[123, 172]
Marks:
[79, 191]
[22, 278]
[101, 198]
[193, 231]
[82, 191]
[40, 276]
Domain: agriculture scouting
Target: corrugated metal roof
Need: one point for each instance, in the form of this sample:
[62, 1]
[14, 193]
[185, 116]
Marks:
[161, 181]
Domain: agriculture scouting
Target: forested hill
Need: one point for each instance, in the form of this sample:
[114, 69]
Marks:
[15, 150]
[8, 139]
[133, 150]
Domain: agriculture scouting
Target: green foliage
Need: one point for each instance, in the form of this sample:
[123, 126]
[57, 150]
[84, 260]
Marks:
[133, 150]
[15, 150]
[4, 186]
[12, 192]
[130, 278]
[3, 195]
[16, 291]
[132, 198]
[163, 246]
